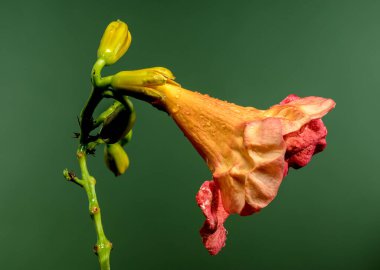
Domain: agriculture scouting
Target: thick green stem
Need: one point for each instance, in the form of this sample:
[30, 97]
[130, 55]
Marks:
[100, 84]
[86, 121]
[103, 245]
[96, 77]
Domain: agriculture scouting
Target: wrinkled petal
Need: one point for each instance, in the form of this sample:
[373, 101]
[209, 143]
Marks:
[213, 232]
[266, 147]
[314, 107]
[303, 144]
[295, 112]
[246, 189]
[289, 98]
[232, 188]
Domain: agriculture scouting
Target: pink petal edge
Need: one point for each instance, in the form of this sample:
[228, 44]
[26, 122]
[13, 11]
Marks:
[301, 145]
[213, 233]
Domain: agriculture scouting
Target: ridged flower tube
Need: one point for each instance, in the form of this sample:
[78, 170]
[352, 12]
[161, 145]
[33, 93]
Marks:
[247, 150]
[115, 42]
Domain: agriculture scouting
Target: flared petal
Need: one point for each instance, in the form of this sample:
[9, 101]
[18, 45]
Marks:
[296, 112]
[213, 232]
[246, 190]
[309, 140]
[266, 147]
[303, 144]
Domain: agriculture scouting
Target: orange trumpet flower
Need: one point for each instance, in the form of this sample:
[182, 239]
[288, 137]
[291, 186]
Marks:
[247, 150]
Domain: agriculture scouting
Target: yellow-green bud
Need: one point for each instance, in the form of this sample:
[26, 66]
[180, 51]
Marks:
[141, 77]
[117, 124]
[115, 42]
[116, 158]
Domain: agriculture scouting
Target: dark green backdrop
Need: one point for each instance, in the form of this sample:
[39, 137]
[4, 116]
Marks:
[253, 53]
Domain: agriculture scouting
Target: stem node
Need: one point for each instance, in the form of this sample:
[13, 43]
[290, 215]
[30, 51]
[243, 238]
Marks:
[94, 210]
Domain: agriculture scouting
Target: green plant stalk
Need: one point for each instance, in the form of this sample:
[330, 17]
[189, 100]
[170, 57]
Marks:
[100, 85]
[103, 245]
[96, 76]
[100, 90]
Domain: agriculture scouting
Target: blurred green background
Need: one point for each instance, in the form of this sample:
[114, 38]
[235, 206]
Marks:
[253, 53]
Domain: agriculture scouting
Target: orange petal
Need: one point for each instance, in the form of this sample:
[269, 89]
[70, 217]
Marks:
[299, 112]
[315, 107]
[266, 147]
[251, 185]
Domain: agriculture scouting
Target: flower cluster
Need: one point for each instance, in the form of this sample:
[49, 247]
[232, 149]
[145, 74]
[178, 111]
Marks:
[248, 151]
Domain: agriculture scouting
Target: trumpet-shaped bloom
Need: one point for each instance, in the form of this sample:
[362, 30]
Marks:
[247, 150]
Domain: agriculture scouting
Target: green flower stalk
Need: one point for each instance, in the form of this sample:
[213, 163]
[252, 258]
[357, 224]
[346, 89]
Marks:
[103, 246]
[115, 123]
[120, 117]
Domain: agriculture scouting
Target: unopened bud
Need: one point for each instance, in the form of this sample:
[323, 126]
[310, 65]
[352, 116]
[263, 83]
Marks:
[115, 42]
[116, 158]
[141, 77]
[117, 124]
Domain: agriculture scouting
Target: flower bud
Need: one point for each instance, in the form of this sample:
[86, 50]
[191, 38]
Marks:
[116, 158]
[115, 42]
[141, 77]
[117, 124]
